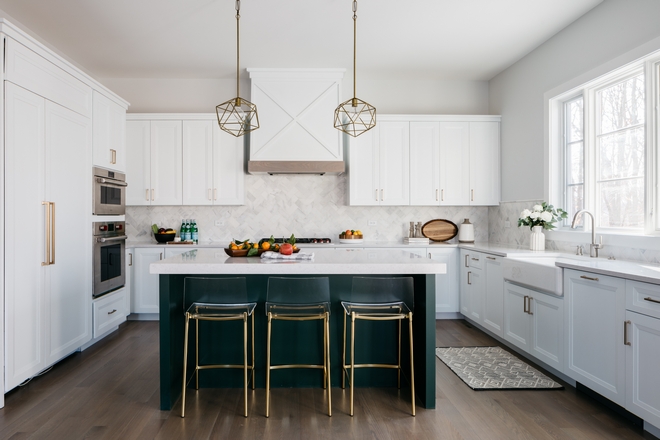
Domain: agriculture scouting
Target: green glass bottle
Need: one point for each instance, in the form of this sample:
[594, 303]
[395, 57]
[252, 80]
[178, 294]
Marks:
[194, 232]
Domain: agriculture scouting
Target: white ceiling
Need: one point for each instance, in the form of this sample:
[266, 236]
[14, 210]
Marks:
[416, 39]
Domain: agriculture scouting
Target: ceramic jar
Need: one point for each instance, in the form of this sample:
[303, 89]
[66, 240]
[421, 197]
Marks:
[537, 239]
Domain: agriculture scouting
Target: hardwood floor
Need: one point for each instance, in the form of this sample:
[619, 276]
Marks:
[110, 391]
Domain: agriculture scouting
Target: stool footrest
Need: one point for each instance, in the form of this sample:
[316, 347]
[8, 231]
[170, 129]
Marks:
[282, 367]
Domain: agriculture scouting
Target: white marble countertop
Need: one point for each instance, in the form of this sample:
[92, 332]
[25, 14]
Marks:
[630, 270]
[336, 262]
[504, 250]
[364, 244]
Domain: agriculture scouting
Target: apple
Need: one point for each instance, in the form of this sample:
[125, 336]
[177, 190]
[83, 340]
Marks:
[161, 231]
[286, 249]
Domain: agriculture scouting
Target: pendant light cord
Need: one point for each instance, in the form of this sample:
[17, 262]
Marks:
[238, 18]
[354, 47]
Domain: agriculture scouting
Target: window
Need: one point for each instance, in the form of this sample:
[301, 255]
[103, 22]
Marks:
[604, 150]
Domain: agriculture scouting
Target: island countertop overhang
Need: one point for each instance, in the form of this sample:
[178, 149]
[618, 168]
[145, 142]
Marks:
[325, 262]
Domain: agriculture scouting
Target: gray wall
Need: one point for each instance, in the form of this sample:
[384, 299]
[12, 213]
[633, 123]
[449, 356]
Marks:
[610, 30]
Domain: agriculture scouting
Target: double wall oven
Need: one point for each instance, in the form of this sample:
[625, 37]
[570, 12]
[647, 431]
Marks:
[109, 249]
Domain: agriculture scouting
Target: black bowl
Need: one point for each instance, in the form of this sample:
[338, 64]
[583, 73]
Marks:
[164, 238]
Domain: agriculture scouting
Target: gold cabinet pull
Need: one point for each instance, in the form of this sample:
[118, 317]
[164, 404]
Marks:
[469, 278]
[147, 195]
[442, 195]
[376, 195]
[152, 194]
[588, 278]
[466, 261]
[46, 261]
[52, 233]
[113, 311]
[625, 333]
[113, 154]
[651, 300]
[382, 197]
[215, 193]
[472, 195]
[436, 194]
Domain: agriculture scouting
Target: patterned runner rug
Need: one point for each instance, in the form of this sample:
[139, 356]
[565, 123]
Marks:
[491, 368]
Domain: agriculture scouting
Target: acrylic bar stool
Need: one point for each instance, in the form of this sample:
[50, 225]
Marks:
[379, 299]
[216, 299]
[299, 299]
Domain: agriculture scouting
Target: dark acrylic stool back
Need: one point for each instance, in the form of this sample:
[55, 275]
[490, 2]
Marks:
[378, 299]
[216, 299]
[299, 299]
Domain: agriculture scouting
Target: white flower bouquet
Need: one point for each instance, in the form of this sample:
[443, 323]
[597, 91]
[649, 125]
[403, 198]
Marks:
[541, 215]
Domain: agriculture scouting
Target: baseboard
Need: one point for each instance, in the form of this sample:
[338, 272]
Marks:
[651, 429]
[143, 317]
[448, 315]
[632, 418]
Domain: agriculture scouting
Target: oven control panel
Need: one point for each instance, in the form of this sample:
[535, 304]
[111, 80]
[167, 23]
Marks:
[108, 229]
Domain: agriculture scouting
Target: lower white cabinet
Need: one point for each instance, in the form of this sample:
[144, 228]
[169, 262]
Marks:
[169, 252]
[145, 285]
[494, 295]
[595, 319]
[534, 322]
[446, 285]
[128, 284]
[109, 311]
[481, 289]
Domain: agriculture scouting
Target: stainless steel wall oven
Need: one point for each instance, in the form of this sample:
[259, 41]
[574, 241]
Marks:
[109, 192]
[109, 249]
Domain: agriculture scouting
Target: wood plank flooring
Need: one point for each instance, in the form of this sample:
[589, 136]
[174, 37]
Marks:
[110, 391]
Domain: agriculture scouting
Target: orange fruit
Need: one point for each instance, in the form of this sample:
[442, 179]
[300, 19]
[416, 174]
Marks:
[348, 232]
[255, 246]
[234, 247]
[265, 245]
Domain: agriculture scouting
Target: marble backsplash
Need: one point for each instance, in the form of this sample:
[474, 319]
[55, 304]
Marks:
[307, 206]
[498, 216]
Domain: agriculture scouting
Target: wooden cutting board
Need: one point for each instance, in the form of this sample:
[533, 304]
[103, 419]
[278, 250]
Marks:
[439, 230]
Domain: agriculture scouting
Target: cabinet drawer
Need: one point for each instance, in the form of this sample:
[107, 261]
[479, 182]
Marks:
[109, 312]
[643, 298]
[476, 260]
[32, 72]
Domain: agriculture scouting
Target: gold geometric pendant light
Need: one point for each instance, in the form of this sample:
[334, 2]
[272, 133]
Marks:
[355, 116]
[237, 116]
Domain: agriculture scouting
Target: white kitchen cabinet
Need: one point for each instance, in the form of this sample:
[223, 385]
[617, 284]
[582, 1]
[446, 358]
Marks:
[145, 285]
[534, 322]
[425, 164]
[594, 314]
[47, 289]
[494, 295]
[109, 133]
[454, 163]
[154, 171]
[109, 311]
[178, 251]
[484, 163]
[464, 264]
[379, 166]
[212, 165]
[476, 285]
[446, 285]
[128, 285]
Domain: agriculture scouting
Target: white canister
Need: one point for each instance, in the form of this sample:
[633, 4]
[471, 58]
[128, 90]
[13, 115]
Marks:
[466, 232]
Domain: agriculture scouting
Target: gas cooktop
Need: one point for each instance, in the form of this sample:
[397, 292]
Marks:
[304, 240]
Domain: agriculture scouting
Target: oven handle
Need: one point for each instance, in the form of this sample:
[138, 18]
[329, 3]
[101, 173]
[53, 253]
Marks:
[103, 240]
[111, 182]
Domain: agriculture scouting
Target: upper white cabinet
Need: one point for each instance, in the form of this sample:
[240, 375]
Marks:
[178, 159]
[48, 275]
[379, 165]
[109, 133]
[154, 173]
[454, 162]
[212, 165]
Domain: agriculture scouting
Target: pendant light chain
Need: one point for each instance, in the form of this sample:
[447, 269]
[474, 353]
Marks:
[354, 51]
[238, 50]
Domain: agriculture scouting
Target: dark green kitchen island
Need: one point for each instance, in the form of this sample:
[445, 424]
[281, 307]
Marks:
[223, 343]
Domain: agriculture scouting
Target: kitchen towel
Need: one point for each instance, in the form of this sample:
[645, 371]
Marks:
[269, 255]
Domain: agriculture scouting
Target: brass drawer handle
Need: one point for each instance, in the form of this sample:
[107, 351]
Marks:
[652, 300]
[588, 278]
[491, 258]
[625, 333]
[113, 311]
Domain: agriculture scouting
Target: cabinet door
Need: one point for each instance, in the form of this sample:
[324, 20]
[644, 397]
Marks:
[446, 285]
[228, 168]
[128, 287]
[484, 163]
[476, 293]
[517, 323]
[145, 295]
[24, 252]
[69, 284]
[455, 163]
[494, 296]
[464, 264]
[166, 167]
[198, 162]
[424, 164]
[642, 360]
[547, 338]
[394, 151]
[109, 133]
[363, 170]
[138, 163]
[594, 315]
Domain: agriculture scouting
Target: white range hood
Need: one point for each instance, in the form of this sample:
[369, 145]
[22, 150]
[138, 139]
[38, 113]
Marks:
[296, 115]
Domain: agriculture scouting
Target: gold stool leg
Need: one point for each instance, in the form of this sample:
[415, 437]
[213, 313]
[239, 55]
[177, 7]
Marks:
[398, 372]
[185, 364]
[245, 361]
[325, 355]
[253, 349]
[270, 316]
[412, 365]
[352, 381]
[327, 349]
[196, 354]
[343, 356]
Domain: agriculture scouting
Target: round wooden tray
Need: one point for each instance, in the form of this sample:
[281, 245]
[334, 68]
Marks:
[439, 230]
